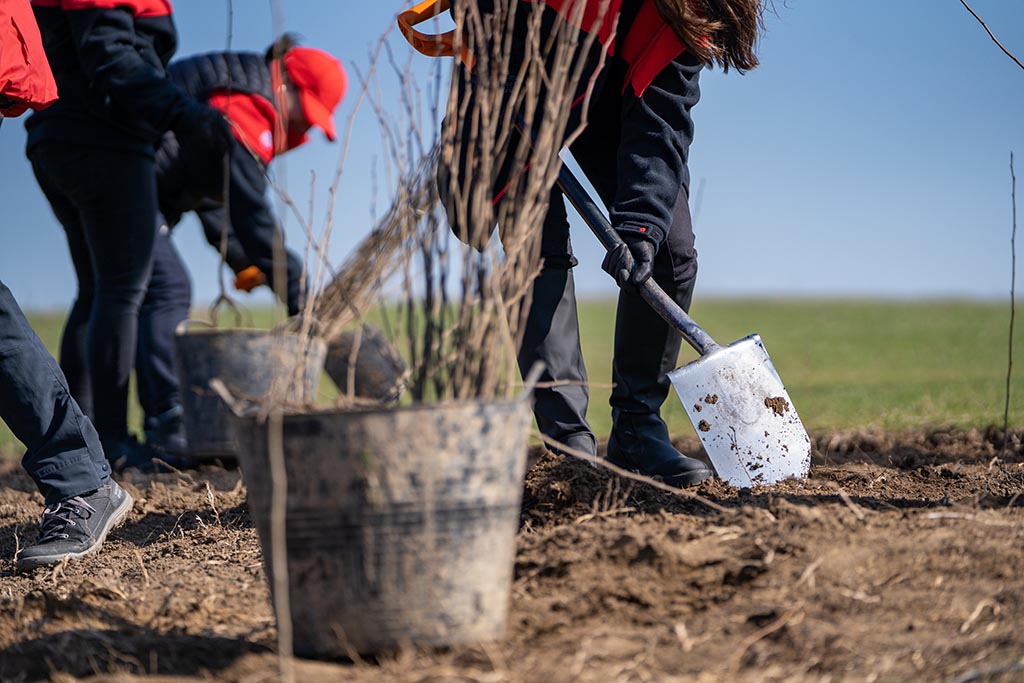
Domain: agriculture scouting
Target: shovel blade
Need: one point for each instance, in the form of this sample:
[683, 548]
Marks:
[743, 415]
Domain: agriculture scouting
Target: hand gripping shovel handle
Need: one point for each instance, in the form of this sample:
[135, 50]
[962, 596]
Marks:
[652, 293]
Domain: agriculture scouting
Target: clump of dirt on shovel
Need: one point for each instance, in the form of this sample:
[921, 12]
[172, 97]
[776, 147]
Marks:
[777, 405]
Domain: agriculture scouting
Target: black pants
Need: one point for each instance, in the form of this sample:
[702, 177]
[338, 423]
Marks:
[63, 454]
[646, 348]
[167, 302]
[106, 201]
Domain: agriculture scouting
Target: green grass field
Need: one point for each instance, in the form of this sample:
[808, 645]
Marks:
[846, 364]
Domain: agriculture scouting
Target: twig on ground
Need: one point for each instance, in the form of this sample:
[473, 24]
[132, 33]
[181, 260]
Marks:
[142, 566]
[807, 576]
[982, 674]
[737, 658]
[857, 510]
[58, 570]
[976, 614]
[600, 462]
[171, 468]
[607, 513]
[213, 504]
[683, 636]
[968, 518]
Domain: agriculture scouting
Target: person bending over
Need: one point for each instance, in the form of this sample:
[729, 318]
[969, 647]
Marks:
[271, 100]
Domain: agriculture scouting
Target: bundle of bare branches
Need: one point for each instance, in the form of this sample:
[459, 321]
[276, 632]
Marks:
[462, 305]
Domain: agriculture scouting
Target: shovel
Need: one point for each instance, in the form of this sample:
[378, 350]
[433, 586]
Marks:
[732, 394]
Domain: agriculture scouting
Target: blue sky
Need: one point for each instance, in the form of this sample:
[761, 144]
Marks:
[868, 156]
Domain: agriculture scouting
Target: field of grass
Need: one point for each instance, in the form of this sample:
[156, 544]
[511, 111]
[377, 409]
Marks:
[846, 364]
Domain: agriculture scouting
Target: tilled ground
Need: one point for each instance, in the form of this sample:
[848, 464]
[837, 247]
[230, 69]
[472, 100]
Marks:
[901, 559]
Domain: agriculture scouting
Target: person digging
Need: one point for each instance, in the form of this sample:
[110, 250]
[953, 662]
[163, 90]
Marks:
[634, 150]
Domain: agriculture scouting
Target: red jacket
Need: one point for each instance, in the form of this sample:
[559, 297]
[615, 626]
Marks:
[25, 78]
[649, 46]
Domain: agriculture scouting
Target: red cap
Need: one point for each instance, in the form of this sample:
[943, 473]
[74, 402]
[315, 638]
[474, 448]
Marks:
[321, 82]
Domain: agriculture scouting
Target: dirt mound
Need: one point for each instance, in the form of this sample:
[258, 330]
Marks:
[899, 559]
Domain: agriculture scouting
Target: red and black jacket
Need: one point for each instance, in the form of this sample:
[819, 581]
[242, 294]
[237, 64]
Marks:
[647, 45]
[25, 78]
[109, 59]
[190, 175]
[653, 83]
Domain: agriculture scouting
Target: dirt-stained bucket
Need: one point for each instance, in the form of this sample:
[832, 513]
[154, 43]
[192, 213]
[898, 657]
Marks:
[400, 524]
[250, 363]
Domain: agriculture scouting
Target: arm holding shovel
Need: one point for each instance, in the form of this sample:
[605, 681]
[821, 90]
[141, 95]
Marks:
[634, 151]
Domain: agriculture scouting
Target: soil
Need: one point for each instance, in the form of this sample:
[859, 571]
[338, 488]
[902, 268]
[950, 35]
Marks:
[899, 560]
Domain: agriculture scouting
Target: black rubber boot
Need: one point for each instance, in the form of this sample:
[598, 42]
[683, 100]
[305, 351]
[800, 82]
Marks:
[166, 432]
[646, 349]
[553, 336]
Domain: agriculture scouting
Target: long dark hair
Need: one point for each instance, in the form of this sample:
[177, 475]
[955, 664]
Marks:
[285, 42]
[723, 32]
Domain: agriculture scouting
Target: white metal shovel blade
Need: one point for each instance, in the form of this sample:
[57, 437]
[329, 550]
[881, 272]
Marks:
[743, 415]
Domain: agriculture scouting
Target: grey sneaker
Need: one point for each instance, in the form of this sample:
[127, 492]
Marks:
[76, 527]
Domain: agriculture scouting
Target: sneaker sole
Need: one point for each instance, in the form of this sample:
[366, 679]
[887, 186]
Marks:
[116, 520]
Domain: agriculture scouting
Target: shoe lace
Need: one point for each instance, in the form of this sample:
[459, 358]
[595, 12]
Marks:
[59, 516]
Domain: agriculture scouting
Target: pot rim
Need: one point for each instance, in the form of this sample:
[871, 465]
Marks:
[248, 331]
[294, 413]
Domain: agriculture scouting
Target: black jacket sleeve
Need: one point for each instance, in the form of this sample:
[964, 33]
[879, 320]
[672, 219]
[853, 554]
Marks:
[256, 227]
[652, 157]
[133, 79]
[212, 219]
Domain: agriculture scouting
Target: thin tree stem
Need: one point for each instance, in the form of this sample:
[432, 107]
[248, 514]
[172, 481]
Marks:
[1013, 306]
[990, 34]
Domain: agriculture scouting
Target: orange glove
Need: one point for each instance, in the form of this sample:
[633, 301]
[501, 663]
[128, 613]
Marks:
[249, 279]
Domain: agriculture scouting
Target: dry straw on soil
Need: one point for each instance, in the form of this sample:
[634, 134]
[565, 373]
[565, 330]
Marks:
[613, 582]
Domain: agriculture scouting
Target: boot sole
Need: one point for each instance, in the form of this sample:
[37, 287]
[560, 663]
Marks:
[116, 520]
[677, 481]
[692, 478]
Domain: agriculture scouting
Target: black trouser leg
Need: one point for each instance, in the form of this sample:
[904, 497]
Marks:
[552, 336]
[646, 347]
[74, 348]
[114, 194]
[166, 305]
[63, 454]
[74, 343]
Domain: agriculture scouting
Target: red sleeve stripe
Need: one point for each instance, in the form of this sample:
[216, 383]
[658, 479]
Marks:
[139, 8]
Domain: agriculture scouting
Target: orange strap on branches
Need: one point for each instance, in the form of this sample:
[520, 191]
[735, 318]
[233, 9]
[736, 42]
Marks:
[437, 45]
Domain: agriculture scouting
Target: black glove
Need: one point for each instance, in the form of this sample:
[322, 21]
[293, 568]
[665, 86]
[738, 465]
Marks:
[209, 125]
[632, 262]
